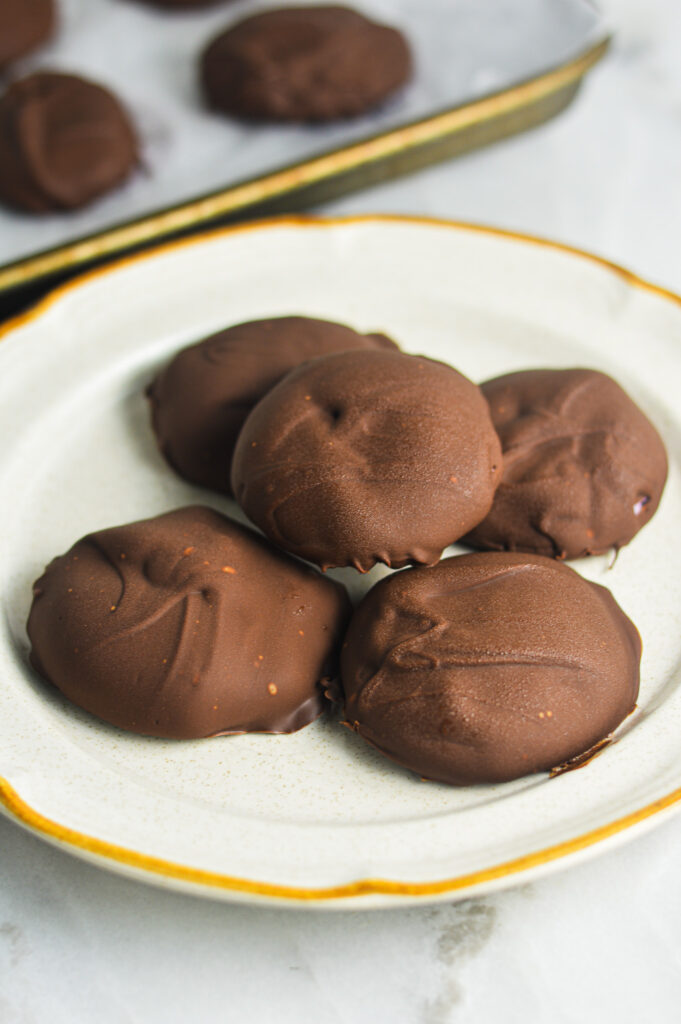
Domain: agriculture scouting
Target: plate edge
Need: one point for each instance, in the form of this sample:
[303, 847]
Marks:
[311, 221]
[19, 810]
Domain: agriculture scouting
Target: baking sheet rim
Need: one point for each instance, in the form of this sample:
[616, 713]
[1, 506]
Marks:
[195, 213]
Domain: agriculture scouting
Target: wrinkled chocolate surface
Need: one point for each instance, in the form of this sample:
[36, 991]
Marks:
[24, 26]
[488, 667]
[187, 625]
[200, 400]
[584, 469]
[64, 141]
[368, 456]
[304, 64]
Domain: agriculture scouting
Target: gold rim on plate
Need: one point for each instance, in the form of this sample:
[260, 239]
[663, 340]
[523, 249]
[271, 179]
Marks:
[22, 812]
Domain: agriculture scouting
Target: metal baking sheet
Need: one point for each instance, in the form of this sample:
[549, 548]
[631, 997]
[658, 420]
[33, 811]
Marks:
[465, 50]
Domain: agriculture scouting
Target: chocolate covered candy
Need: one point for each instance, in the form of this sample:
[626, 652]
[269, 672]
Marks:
[304, 64]
[584, 468]
[488, 667]
[64, 141]
[187, 625]
[200, 400]
[368, 456]
[24, 26]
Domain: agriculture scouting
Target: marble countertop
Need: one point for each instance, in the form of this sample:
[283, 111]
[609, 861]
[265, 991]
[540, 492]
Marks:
[600, 941]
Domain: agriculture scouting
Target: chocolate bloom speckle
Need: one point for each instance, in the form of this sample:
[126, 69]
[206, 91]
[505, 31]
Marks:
[164, 642]
[488, 667]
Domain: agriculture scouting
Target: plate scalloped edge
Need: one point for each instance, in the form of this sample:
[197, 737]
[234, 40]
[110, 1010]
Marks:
[209, 883]
[366, 891]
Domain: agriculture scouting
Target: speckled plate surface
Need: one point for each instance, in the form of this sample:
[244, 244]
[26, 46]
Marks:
[317, 818]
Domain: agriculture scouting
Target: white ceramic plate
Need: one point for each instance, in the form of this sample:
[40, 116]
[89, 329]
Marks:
[316, 818]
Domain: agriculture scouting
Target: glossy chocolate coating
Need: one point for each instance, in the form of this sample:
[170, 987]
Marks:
[304, 64]
[200, 400]
[488, 667]
[584, 469]
[368, 456]
[187, 625]
[24, 26]
[64, 141]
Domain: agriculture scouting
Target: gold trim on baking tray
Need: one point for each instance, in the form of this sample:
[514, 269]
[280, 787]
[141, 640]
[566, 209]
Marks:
[79, 842]
[398, 151]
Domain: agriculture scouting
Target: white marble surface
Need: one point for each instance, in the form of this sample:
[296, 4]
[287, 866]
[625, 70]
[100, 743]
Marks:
[601, 941]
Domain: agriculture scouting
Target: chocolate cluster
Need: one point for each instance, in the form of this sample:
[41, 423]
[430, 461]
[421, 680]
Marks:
[346, 451]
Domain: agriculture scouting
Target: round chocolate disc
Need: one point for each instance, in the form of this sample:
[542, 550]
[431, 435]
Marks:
[584, 469]
[304, 64]
[368, 456]
[24, 26]
[64, 141]
[187, 625]
[488, 667]
[200, 400]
